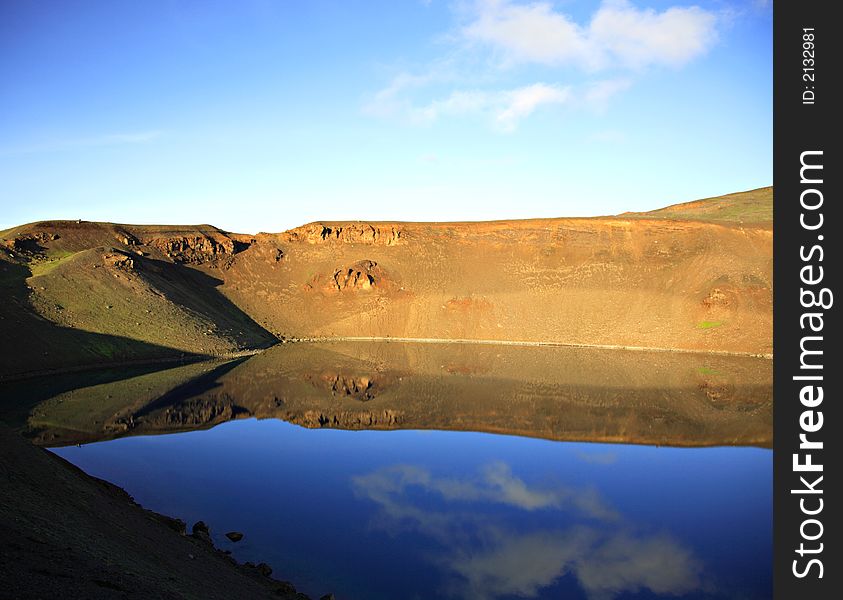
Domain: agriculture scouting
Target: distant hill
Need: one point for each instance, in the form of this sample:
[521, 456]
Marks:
[694, 276]
[751, 207]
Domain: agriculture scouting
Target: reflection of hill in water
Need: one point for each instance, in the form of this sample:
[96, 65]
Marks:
[548, 392]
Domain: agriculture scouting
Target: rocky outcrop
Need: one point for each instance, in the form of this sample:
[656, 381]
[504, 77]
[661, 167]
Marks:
[198, 249]
[362, 275]
[126, 238]
[202, 532]
[359, 276]
[30, 243]
[347, 233]
[118, 260]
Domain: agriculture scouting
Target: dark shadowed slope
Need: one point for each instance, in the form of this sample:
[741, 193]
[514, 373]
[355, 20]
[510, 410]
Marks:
[82, 294]
[67, 535]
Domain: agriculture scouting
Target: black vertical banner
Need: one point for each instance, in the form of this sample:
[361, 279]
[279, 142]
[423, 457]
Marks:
[806, 388]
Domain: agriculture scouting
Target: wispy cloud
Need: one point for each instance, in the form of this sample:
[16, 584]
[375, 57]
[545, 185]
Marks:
[61, 144]
[526, 32]
[499, 41]
[504, 109]
[522, 102]
[618, 34]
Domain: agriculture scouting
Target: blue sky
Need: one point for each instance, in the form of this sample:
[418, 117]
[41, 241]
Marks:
[261, 115]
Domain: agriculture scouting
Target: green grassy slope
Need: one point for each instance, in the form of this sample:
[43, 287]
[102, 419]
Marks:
[750, 207]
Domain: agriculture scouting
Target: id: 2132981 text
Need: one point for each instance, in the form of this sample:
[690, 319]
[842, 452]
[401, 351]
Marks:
[808, 65]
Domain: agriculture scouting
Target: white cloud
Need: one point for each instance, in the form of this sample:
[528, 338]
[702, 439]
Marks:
[528, 33]
[618, 35]
[523, 101]
[503, 109]
[638, 38]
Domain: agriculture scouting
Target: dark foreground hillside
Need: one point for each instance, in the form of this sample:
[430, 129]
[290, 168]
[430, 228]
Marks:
[67, 535]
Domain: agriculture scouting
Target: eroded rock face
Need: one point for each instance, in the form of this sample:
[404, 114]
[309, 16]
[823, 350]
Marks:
[126, 238]
[351, 233]
[31, 243]
[196, 249]
[362, 275]
[264, 247]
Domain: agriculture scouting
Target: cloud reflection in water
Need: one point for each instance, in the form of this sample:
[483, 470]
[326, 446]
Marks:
[489, 558]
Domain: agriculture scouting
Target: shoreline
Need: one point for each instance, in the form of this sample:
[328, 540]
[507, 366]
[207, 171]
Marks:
[192, 358]
[412, 340]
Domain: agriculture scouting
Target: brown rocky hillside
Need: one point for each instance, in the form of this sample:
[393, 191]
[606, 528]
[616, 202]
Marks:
[696, 277]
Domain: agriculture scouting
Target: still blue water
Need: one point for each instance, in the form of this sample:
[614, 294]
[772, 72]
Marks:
[372, 515]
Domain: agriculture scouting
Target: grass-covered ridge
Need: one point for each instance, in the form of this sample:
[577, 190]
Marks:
[750, 207]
